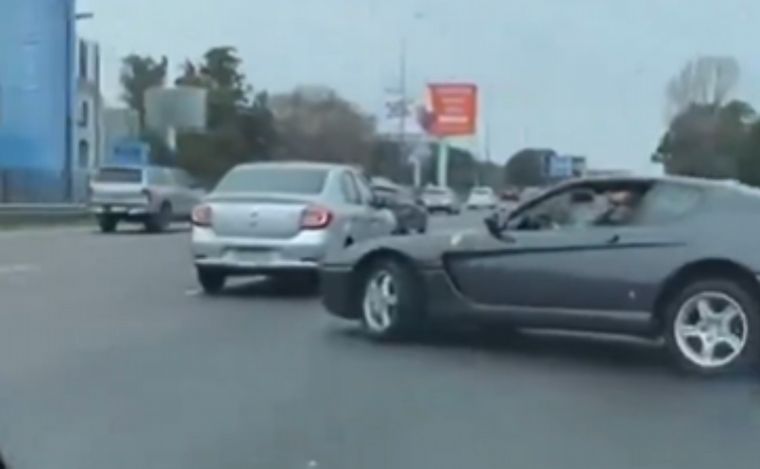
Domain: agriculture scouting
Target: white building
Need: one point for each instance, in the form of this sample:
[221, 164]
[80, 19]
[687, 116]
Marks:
[89, 145]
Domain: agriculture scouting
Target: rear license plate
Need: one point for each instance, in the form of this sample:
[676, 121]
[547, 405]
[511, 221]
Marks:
[253, 256]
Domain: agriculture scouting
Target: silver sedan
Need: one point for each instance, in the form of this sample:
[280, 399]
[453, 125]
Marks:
[281, 219]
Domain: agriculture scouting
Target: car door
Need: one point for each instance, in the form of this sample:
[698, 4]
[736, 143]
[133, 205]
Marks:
[565, 268]
[354, 208]
[379, 221]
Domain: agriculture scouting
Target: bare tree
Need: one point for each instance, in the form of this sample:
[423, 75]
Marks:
[706, 80]
[314, 123]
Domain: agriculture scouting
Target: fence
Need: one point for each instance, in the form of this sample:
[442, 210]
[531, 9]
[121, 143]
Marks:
[23, 186]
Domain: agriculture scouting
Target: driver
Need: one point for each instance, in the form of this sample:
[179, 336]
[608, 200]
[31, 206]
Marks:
[622, 206]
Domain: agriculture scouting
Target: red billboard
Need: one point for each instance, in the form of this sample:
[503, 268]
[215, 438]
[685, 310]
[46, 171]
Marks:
[454, 109]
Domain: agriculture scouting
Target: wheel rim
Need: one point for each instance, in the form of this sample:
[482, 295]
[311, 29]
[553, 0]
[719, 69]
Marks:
[711, 329]
[380, 301]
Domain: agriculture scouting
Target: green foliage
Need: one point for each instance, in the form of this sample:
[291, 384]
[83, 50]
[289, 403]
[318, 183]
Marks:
[525, 168]
[138, 74]
[711, 141]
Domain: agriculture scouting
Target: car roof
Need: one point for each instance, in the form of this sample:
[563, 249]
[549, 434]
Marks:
[297, 164]
[693, 181]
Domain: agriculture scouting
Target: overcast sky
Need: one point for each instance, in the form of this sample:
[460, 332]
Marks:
[581, 76]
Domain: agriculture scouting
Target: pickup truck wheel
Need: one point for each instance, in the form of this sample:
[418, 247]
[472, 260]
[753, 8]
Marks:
[107, 223]
[211, 281]
[160, 221]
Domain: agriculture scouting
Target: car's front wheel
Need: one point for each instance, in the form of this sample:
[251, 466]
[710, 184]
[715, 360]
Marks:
[713, 327]
[391, 300]
[107, 223]
[211, 281]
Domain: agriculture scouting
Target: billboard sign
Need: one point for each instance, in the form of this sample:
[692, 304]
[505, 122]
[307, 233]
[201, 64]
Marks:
[130, 153]
[560, 166]
[454, 107]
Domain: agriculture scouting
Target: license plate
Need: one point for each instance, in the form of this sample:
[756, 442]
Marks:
[254, 257]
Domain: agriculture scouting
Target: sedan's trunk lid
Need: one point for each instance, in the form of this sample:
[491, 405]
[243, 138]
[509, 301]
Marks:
[270, 216]
[118, 185]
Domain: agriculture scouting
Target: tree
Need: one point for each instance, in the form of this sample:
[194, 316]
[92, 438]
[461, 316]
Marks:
[240, 129]
[526, 167]
[702, 81]
[707, 141]
[138, 74]
[314, 123]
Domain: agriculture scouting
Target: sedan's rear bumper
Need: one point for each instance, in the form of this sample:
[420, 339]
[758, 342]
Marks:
[240, 255]
[120, 209]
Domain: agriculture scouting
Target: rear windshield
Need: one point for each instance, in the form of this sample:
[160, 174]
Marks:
[123, 175]
[283, 180]
[481, 191]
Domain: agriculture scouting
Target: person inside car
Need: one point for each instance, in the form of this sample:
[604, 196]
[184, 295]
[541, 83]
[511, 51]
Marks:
[622, 207]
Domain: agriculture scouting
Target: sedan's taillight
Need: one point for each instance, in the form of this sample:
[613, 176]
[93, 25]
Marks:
[202, 215]
[316, 218]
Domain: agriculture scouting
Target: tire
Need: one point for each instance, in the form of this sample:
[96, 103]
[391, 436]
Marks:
[689, 325]
[211, 281]
[107, 223]
[400, 320]
[160, 221]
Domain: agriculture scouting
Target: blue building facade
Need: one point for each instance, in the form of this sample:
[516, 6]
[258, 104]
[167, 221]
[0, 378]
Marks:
[37, 89]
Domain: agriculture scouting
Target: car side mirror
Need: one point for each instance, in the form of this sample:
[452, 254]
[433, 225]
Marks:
[378, 202]
[493, 225]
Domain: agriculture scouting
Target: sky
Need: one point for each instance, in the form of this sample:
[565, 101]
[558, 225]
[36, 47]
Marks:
[584, 77]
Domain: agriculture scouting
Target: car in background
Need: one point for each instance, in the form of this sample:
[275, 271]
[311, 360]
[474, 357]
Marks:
[280, 219]
[152, 195]
[411, 214]
[509, 195]
[647, 257]
[482, 198]
[440, 199]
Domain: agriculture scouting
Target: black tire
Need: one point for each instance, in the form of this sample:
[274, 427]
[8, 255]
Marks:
[738, 292]
[107, 223]
[160, 221]
[423, 229]
[405, 319]
[211, 281]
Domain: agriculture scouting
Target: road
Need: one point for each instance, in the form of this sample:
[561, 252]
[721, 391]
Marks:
[109, 358]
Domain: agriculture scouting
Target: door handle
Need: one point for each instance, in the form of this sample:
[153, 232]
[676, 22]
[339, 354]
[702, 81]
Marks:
[614, 239]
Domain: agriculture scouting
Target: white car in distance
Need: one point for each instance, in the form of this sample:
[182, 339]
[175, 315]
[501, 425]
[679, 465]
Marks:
[482, 198]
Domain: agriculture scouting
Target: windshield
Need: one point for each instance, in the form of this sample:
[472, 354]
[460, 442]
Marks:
[435, 191]
[119, 175]
[301, 181]
[482, 191]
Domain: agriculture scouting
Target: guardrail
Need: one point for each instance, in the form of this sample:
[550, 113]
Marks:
[14, 214]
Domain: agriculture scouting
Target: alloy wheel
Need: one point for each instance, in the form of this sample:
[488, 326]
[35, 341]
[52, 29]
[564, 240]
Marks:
[380, 301]
[711, 329]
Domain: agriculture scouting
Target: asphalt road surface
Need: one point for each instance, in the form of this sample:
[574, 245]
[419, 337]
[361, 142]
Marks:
[110, 358]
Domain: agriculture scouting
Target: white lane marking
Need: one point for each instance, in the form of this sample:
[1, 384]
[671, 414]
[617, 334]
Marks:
[193, 292]
[17, 269]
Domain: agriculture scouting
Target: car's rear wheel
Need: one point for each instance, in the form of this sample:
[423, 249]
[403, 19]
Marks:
[713, 327]
[391, 301]
[212, 281]
[107, 223]
[160, 221]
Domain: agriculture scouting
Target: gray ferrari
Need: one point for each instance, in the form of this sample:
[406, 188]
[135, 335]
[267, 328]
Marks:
[671, 258]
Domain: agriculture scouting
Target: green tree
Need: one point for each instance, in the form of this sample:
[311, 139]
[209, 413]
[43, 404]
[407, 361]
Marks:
[526, 167]
[240, 128]
[138, 74]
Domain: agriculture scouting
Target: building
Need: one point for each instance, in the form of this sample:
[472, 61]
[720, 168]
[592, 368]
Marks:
[37, 48]
[89, 144]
